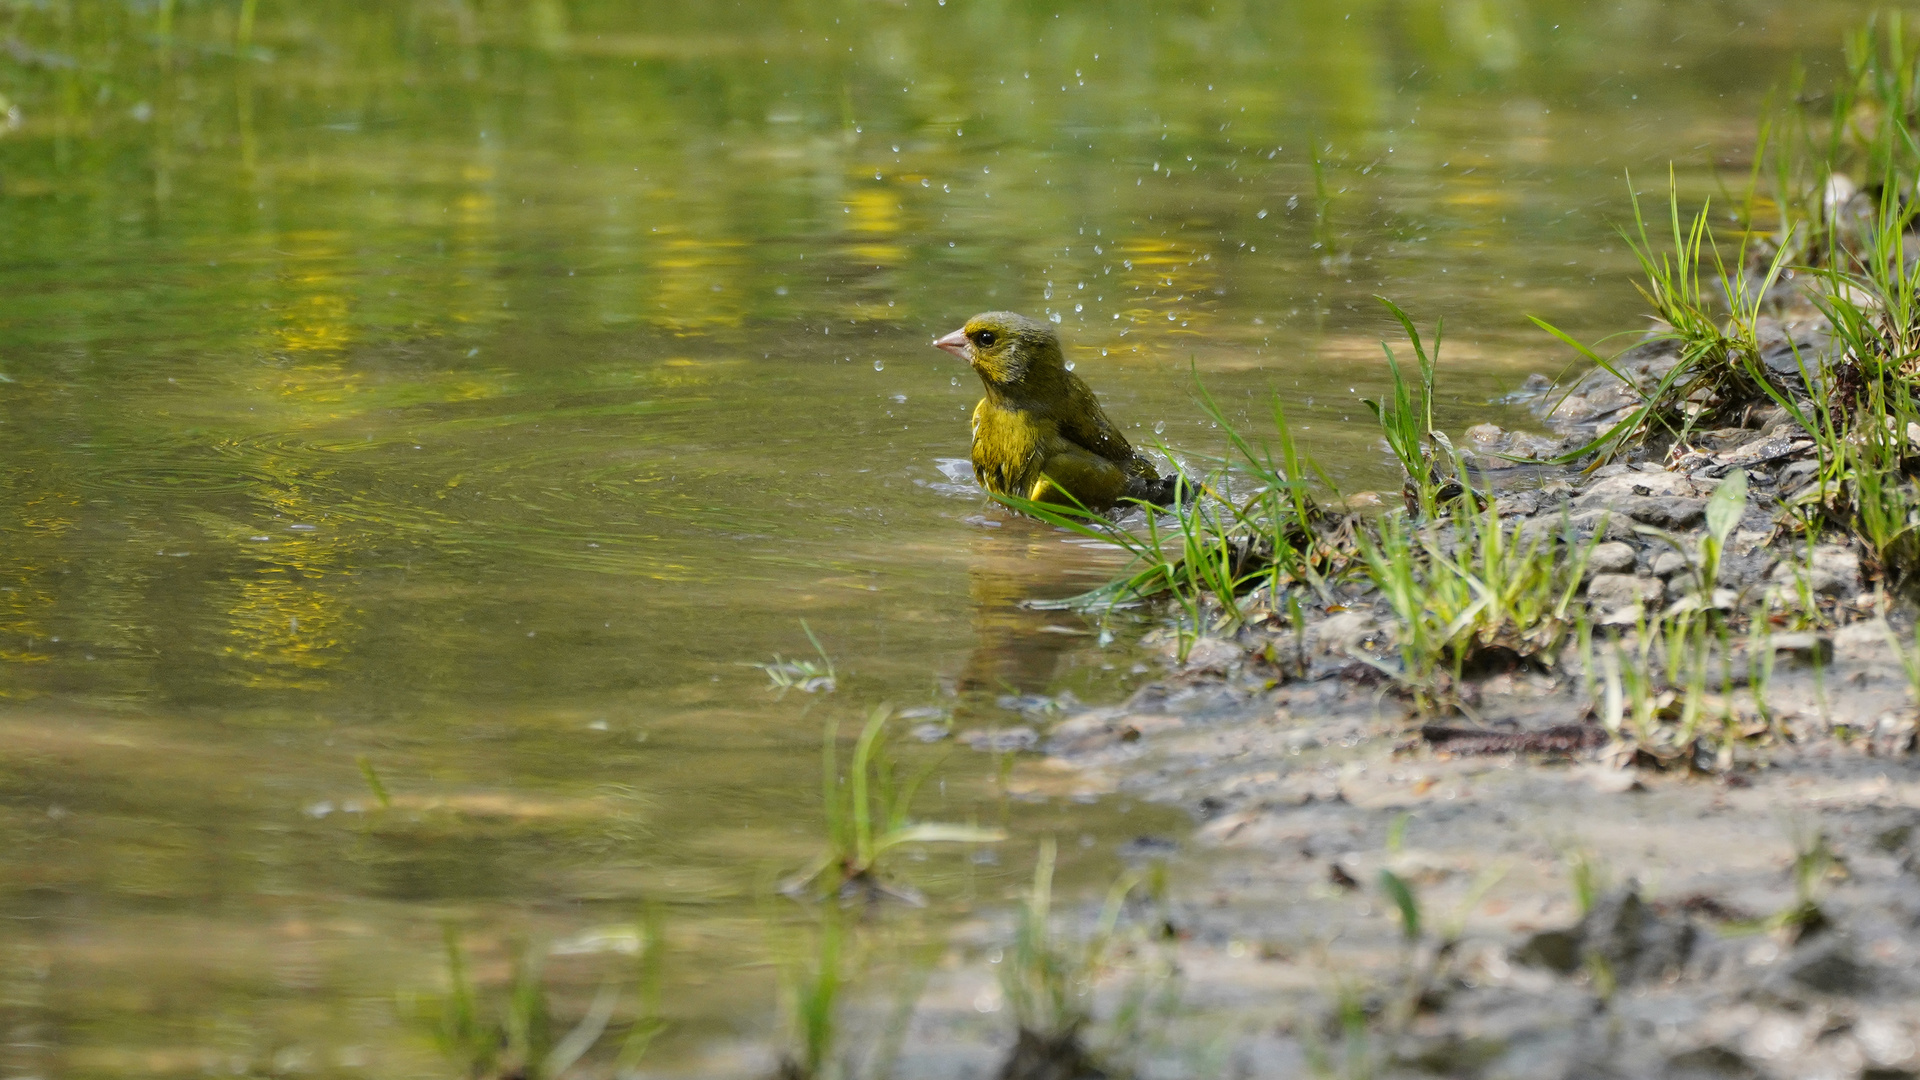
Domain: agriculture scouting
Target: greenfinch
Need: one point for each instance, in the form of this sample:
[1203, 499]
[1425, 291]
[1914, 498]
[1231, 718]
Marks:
[1040, 434]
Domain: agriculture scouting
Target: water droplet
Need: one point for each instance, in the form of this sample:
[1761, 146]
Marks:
[955, 381]
[1160, 427]
[1076, 309]
[1069, 365]
[879, 365]
[1262, 215]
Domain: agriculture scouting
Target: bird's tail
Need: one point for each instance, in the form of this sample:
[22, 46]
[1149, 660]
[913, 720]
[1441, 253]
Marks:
[1159, 490]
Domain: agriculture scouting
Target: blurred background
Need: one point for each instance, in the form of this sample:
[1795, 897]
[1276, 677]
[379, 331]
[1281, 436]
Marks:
[464, 395]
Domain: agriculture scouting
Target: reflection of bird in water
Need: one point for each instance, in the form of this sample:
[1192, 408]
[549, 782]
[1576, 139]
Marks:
[1039, 433]
[1012, 649]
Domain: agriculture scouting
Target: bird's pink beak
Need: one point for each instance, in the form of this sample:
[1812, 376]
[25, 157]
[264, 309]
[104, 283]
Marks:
[955, 343]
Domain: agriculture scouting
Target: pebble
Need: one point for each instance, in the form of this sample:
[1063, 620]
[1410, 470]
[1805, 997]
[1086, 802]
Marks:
[1834, 571]
[1613, 557]
[1618, 593]
[1668, 563]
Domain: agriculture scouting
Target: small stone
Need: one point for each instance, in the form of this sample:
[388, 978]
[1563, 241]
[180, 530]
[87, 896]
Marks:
[1536, 447]
[1761, 452]
[1608, 779]
[1618, 527]
[1346, 633]
[1797, 474]
[1002, 740]
[1829, 967]
[1613, 557]
[1212, 654]
[1616, 592]
[1834, 571]
[1717, 1062]
[1517, 504]
[1722, 439]
[1668, 563]
[1555, 950]
[1667, 513]
[1615, 487]
[1811, 647]
[1484, 433]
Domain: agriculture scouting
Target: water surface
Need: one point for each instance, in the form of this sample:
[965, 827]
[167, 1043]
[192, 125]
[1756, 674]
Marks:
[478, 389]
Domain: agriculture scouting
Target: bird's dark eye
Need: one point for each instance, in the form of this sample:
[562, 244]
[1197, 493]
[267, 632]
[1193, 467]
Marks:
[983, 338]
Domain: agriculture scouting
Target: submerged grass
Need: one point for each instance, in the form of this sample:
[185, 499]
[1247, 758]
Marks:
[806, 676]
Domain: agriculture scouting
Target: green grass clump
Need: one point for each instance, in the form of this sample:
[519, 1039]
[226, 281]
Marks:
[1048, 978]
[511, 1033]
[806, 676]
[1473, 593]
[868, 815]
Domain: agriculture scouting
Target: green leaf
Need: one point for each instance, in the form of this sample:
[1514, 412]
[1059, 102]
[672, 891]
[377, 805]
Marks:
[1398, 891]
[938, 833]
[1726, 506]
[373, 782]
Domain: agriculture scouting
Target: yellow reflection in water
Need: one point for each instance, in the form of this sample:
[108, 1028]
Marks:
[1170, 284]
[477, 293]
[874, 215]
[316, 318]
[694, 289]
[25, 601]
[282, 625]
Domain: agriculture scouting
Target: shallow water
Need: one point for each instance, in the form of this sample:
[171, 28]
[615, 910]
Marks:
[478, 391]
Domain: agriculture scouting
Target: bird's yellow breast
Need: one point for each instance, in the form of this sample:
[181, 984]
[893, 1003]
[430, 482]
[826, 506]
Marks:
[1008, 447]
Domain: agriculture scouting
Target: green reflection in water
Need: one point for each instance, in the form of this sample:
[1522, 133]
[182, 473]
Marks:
[480, 386]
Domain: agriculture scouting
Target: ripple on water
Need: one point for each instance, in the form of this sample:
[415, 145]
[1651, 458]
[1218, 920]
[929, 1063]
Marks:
[498, 486]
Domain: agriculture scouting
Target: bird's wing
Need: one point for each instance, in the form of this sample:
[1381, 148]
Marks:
[1085, 424]
[1092, 480]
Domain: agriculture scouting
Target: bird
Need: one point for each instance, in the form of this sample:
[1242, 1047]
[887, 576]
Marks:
[1040, 434]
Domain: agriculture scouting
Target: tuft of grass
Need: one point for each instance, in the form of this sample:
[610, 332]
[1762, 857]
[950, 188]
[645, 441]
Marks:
[822, 964]
[1048, 978]
[868, 815]
[1406, 418]
[1588, 876]
[806, 676]
[1473, 593]
[812, 983]
[511, 1033]
[1814, 864]
[1718, 373]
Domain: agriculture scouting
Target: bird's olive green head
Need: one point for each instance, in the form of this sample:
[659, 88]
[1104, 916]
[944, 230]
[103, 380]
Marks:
[1005, 348]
